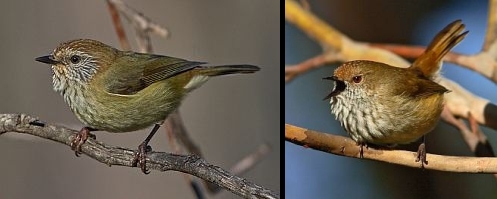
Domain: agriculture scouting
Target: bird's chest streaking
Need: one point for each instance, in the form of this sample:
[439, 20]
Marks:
[384, 120]
[123, 113]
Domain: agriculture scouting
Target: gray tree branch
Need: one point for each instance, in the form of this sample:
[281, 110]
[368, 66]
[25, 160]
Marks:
[161, 161]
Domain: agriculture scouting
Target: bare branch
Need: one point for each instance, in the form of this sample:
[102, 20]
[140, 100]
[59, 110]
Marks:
[315, 62]
[161, 161]
[343, 146]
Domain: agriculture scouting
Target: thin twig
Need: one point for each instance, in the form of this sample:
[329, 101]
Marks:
[143, 25]
[250, 160]
[293, 71]
[175, 124]
[173, 144]
[121, 35]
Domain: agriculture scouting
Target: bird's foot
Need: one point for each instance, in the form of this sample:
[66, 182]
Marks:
[361, 149]
[140, 158]
[80, 139]
[421, 155]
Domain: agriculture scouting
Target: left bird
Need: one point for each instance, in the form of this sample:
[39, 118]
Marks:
[122, 91]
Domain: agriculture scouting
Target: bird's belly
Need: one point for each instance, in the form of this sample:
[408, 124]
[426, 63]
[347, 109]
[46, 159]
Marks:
[401, 124]
[118, 119]
[118, 113]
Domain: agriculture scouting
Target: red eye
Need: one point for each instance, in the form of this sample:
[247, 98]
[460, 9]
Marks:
[357, 79]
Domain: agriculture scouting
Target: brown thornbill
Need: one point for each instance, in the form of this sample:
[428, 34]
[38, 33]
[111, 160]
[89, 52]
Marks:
[383, 105]
[122, 91]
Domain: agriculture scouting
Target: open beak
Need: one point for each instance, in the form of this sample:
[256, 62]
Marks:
[339, 87]
[47, 60]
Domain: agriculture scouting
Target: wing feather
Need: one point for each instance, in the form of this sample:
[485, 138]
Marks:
[139, 71]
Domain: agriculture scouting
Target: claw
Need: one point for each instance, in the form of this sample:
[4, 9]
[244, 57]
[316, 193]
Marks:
[361, 149]
[140, 158]
[80, 139]
[421, 155]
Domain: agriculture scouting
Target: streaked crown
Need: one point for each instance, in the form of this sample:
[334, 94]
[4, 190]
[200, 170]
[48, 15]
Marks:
[77, 61]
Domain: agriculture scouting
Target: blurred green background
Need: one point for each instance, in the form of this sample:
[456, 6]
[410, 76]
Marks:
[314, 174]
[228, 117]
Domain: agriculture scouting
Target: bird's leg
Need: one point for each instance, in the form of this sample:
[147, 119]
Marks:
[361, 149]
[141, 156]
[421, 155]
[81, 138]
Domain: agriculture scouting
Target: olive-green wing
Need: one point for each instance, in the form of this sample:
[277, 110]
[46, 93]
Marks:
[137, 71]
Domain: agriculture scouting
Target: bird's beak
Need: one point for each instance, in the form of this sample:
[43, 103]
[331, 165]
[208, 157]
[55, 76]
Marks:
[47, 60]
[339, 87]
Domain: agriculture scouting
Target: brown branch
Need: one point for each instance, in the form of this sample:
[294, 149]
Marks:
[344, 146]
[160, 161]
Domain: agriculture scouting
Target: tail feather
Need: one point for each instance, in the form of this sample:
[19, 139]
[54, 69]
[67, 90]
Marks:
[430, 61]
[199, 77]
[228, 69]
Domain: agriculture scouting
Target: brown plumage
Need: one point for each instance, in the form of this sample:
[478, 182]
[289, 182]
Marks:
[385, 105]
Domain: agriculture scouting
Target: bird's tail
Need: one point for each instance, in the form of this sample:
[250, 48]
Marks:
[228, 69]
[430, 61]
[204, 72]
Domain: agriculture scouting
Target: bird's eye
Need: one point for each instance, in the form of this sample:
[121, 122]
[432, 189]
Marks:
[357, 79]
[75, 59]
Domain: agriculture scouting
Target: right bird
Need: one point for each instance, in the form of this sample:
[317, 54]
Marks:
[383, 105]
[122, 91]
